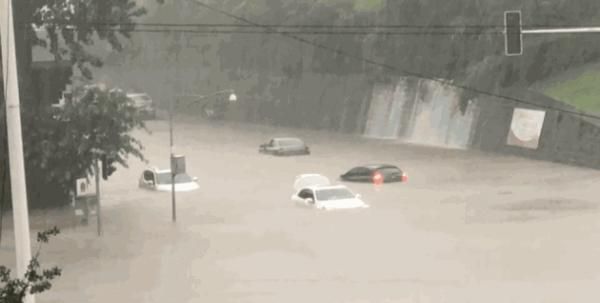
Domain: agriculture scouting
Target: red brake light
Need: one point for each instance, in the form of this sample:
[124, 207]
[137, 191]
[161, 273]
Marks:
[377, 178]
[404, 177]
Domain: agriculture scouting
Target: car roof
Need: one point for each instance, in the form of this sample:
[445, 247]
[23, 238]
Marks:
[157, 170]
[310, 180]
[379, 166]
[287, 138]
[326, 187]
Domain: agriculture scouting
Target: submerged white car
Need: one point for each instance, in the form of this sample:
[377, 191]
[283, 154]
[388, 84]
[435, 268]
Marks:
[161, 180]
[314, 190]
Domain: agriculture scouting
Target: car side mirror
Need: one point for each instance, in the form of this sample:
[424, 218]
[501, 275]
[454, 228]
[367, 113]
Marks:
[358, 196]
[195, 179]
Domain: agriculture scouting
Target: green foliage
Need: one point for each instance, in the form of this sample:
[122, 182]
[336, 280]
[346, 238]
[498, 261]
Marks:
[452, 56]
[73, 25]
[582, 91]
[282, 74]
[36, 280]
[65, 142]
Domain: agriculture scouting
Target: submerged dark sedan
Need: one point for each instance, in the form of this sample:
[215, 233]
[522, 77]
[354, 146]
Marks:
[375, 173]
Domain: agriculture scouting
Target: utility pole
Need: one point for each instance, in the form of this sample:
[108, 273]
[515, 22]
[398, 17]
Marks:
[171, 109]
[15, 141]
[173, 205]
[98, 208]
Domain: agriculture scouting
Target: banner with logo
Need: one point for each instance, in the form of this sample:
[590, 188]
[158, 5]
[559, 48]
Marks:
[526, 128]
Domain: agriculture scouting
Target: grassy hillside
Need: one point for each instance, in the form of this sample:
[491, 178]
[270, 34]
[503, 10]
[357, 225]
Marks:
[581, 90]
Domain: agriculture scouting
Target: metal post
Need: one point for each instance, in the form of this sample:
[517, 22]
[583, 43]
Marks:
[566, 30]
[173, 205]
[98, 208]
[15, 141]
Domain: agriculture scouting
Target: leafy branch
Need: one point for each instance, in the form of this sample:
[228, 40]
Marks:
[36, 280]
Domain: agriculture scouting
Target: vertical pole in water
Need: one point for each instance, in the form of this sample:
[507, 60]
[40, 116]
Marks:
[173, 206]
[15, 141]
[98, 208]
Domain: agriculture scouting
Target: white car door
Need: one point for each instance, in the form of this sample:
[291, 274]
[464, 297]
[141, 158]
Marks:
[305, 197]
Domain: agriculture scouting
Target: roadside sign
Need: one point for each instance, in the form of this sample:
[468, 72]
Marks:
[178, 164]
[84, 187]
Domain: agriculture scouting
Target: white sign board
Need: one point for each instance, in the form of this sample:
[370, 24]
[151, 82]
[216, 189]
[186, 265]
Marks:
[85, 187]
[526, 128]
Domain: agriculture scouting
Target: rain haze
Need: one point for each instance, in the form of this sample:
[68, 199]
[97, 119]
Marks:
[300, 151]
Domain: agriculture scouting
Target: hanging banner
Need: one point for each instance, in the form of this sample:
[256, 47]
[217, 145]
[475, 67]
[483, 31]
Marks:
[526, 128]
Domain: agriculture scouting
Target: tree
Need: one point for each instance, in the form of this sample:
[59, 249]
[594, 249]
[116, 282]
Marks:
[36, 279]
[71, 27]
[66, 141]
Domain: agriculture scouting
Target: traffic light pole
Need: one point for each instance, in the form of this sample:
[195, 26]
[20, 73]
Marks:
[172, 151]
[15, 142]
[513, 32]
[569, 30]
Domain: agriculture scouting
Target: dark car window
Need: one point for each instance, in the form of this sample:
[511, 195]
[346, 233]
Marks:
[359, 171]
[390, 170]
[148, 176]
[165, 178]
[306, 194]
[353, 172]
[334, 194]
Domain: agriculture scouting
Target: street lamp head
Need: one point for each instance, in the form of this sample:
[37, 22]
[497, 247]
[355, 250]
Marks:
[233, 97]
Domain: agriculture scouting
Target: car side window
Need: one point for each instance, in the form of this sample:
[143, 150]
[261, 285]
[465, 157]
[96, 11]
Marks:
[355, 171]
[364, 171]
[306, 194]
[149, 176]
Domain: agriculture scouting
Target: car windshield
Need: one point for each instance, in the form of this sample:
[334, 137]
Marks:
[165, 178]
[334, 194]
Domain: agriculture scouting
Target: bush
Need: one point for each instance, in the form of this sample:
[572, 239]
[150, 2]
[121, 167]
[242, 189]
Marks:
[36, 279]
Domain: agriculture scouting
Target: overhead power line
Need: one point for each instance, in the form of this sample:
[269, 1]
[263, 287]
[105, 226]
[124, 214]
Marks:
[301, 30]
[307, 26]
[391, 67]
[285, 26]
[295, 31]
[304, 32]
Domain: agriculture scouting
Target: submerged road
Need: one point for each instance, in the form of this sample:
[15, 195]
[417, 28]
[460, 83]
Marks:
[467, 227]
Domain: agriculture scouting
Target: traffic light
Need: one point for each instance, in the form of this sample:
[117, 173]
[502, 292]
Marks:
[108, 167]
[513, 35]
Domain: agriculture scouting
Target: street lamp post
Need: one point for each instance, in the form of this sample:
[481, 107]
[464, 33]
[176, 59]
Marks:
[232, 98]
[172, 153]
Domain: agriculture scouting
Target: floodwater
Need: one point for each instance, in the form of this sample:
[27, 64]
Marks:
[467, 227]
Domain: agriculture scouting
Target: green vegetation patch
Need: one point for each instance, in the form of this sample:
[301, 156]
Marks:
[582, 92]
